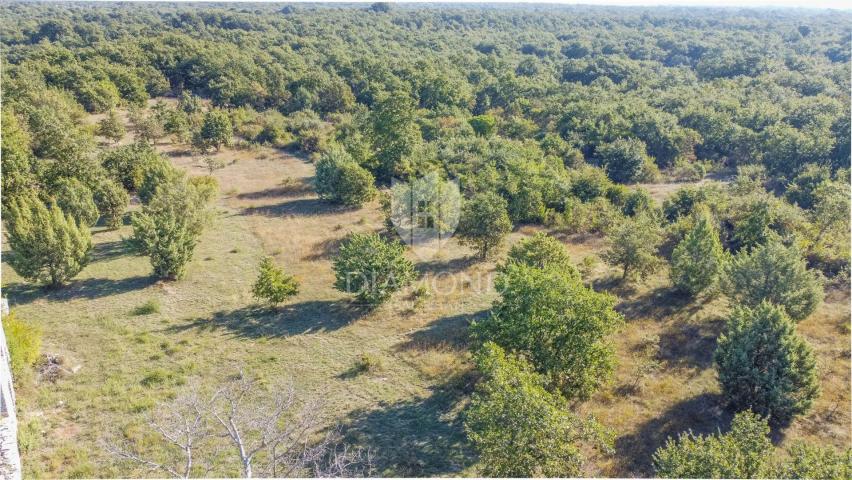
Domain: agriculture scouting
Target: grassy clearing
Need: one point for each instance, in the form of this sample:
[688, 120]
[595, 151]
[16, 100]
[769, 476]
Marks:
[396, 377]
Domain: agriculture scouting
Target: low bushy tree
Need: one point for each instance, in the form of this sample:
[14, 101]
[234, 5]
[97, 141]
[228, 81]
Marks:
[624, 159]
[519, 428]
[483, 125]
[47, 245]
[216, 130]
[698, 260]
[743, 452]
[111, 127]
[126, 163]
[155, 172]
[371, 268]
[561, 325]
[775, 273]
[633, 245]
[169, 226]
[542, 251]
[484, 222]
[764, 365]
[272, 284]
[111, 200]
[77, 200]
[812, 461]
[340, 179]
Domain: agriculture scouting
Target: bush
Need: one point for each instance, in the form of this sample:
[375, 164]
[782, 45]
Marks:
[625, 159]
[589, 183]
[483, 125]
[155, 172]
[518, 427]
[561, 325]
[811, 461]
[24, 342]
[169, 226]
[542, 251]
[272, 284]
[111, 200]
[371, 268]
[764, 366]
[698, 260]
[111, 127]
[150, 307]
[777, 274]
[340, 180]
[633, 246]
[637, 201]
[76, 199]
[127, 162]
[744, 452]
[484, 222]
[216, 130]
[47, 245]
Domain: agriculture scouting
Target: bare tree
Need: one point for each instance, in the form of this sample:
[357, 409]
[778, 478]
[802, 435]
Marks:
[268, 431]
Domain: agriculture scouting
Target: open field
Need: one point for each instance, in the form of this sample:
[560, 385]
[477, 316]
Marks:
[120, 363]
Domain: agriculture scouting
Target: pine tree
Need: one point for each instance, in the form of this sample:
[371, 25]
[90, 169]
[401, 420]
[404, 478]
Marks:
[47, 245]
[764, 365]
[273, 285]
[112, 200]
[77, 200]
[698, 260]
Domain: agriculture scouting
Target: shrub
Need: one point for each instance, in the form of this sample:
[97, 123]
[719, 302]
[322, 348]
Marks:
[589, 183]
[484, 222]
[272, 284]
[557, 322]
[698, 260]
[483, 125]
[637, 201]
[76, 199]
[111, 200]
[47, 245]
[777, 274]
[24, 342]
[542, 251]
[633, 246]
[216, 130]
[169, 226]
[155, 172]
[681, 203]
[340, 180]
[624, 159]
[371, 268]
[801, 190]
[368, 362]
[518, 427]
[744, 452]
[764, 366]
[126, 163]
[111, 127]
[811, 461]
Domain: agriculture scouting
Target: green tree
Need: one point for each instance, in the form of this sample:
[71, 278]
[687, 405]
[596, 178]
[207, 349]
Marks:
[394, 133]
[801, 190]
[272, 284]
[340, 179]
[216, 130]
[624, 159]
[77, 200]
[483, 125]
[169, 226]
[127, 163]
[371, 268]
[16, 156]
[764, 366]
[47, 245]
[557, 322]
[542, 251]
[111, 127]
[633, 245]
[743, 452]
[155, 172]
[519, 428]
[484, 222]
[111, 200]
[830, 213]
[774, 273]
[812, 461]
[698, 260]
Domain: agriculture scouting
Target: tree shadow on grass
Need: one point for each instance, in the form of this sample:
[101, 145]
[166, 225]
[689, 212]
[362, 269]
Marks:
[302, 207]
[703, 414]
[300, 187]
[449, 331]
[324, 250]
[436, 267]
[414, 438]
[89, 288]
[660, 304]
[686, 345]
[108, 250]
[265, 322]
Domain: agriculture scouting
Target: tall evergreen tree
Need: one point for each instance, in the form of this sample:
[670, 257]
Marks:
[698, 260]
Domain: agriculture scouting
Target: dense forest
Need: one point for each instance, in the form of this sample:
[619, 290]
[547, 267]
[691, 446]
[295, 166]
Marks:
[701, 153]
